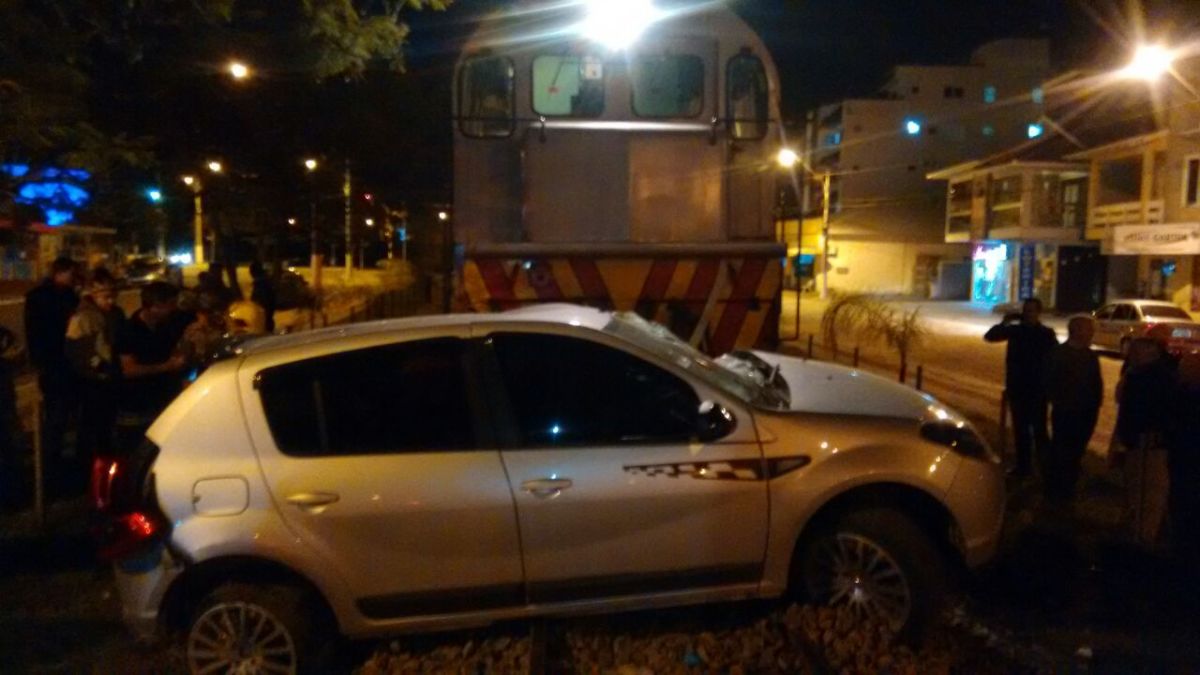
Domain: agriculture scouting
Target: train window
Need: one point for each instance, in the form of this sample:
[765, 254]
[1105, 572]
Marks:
[485, 97]
[746, 97]
[669, 85]
[568, 86]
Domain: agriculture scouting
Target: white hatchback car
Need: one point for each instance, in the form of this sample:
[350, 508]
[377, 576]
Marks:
[448, 471]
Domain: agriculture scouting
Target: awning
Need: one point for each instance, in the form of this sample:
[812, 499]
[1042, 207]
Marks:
[1164, 239]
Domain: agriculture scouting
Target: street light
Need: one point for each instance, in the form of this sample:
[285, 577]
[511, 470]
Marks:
[787, 158]
[239, 70]
[370, 222]
[215, 167]
[443, 216]
[310, 164]
[189, 180]
[291, 221]
[154, 195]
[1149, 63]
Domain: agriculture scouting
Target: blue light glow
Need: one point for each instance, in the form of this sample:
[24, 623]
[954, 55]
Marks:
[912, 127]
[989, 94]
[55, 191]
[1034, 130]
[154, 195]
[555, 430]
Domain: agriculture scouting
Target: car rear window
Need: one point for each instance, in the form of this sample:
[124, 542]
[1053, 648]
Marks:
[407, 397]
[1164, 312]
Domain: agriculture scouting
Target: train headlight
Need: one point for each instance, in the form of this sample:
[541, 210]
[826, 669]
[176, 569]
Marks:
[617, 23]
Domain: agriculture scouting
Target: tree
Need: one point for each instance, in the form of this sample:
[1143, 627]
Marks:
[869, 318]
[72, 71]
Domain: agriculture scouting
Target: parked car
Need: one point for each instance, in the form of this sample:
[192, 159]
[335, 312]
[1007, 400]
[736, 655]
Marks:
[436, 472]
[145, 269]
[1120, 322]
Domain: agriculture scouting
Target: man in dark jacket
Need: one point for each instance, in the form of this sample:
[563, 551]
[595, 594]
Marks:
[263, 293]
[1029, 342]
[91, 336]
[47, 310]
[1075, 390]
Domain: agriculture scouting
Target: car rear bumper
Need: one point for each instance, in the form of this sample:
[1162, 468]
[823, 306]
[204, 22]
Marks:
[142, 583]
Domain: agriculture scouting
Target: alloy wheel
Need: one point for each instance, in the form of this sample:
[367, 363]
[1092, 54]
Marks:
[850, 570]
[242, 639]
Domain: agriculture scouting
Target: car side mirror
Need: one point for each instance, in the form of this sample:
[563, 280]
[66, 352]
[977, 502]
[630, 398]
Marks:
[713, 422]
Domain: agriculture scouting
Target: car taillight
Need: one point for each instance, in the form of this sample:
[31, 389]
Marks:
[124, 499]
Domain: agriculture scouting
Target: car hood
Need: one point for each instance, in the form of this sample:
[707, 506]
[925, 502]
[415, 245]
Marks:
[818, 387]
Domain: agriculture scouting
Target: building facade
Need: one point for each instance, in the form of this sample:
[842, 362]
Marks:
[887, 222]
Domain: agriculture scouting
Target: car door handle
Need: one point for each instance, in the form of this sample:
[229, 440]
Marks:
[545, 488]
[313, 502]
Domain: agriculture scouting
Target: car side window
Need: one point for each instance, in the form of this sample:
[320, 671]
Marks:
[1123, 313]
[568, 391]
[407, 397]
[1104, 313]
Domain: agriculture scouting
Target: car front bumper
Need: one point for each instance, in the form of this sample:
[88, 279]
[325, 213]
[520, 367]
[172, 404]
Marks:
[977, 498]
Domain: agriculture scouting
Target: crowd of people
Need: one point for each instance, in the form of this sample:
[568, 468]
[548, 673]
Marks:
[1156, 442]
[105, 376]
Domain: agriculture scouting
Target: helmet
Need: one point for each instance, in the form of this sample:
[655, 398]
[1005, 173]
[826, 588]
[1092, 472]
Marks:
[247, 318]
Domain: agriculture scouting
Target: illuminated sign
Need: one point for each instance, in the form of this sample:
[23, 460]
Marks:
[57, 192]
[1166, 239]
[991, 252]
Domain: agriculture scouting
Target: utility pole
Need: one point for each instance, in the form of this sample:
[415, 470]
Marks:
[825, 236]
[198, 208]
[349, 223]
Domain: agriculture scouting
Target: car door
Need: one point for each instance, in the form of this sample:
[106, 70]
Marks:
[1124, 322]
[376, 458]
[615, 495]
[1105, 330]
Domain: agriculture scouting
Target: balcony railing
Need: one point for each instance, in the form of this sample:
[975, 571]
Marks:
[1127, 213]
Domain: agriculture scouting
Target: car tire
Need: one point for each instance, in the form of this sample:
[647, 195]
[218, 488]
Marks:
[878, 562]
[248, 626]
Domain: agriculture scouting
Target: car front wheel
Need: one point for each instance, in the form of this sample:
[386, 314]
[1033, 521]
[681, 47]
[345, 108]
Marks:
[878, 563]
[245, 628]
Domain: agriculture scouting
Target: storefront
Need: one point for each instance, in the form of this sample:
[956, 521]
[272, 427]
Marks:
[991, 273]
[1166, 258]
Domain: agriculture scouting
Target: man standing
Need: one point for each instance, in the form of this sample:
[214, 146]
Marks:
[1029, 343]
[151, 368]
[47, 310]
[263, 293]
[91, 334]
[1075, 390]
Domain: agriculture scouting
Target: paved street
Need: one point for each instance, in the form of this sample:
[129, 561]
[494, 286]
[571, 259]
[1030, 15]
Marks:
[959, 367]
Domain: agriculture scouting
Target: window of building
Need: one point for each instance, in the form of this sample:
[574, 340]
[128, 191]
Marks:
[1120, 181]
[409, 397]
[746, 97]
[670, 85]
[912, 126]
[1034, 129]
[1006, 191]
[931, 129]
[960, 197]
[953, 92]
[1037, 95]
[485, 97]
[1191, 181]
[989, 94]
[988, 130]
[568, 86]
[566, 391]
[834, 138]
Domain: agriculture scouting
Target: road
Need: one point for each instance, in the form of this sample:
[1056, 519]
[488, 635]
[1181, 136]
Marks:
[958, 366]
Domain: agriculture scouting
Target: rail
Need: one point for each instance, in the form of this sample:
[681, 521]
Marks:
[1127, 213]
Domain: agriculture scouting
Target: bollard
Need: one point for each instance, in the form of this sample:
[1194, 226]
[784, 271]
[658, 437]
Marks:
[920, 377]
[856, 357]
[810, 345]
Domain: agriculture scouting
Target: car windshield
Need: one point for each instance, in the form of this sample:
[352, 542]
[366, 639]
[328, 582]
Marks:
[1163, 312]
[660, 341]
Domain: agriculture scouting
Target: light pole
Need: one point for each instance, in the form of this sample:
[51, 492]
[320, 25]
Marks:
[155, 196]
[346, 187]
[197, 218]
[310, 166]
